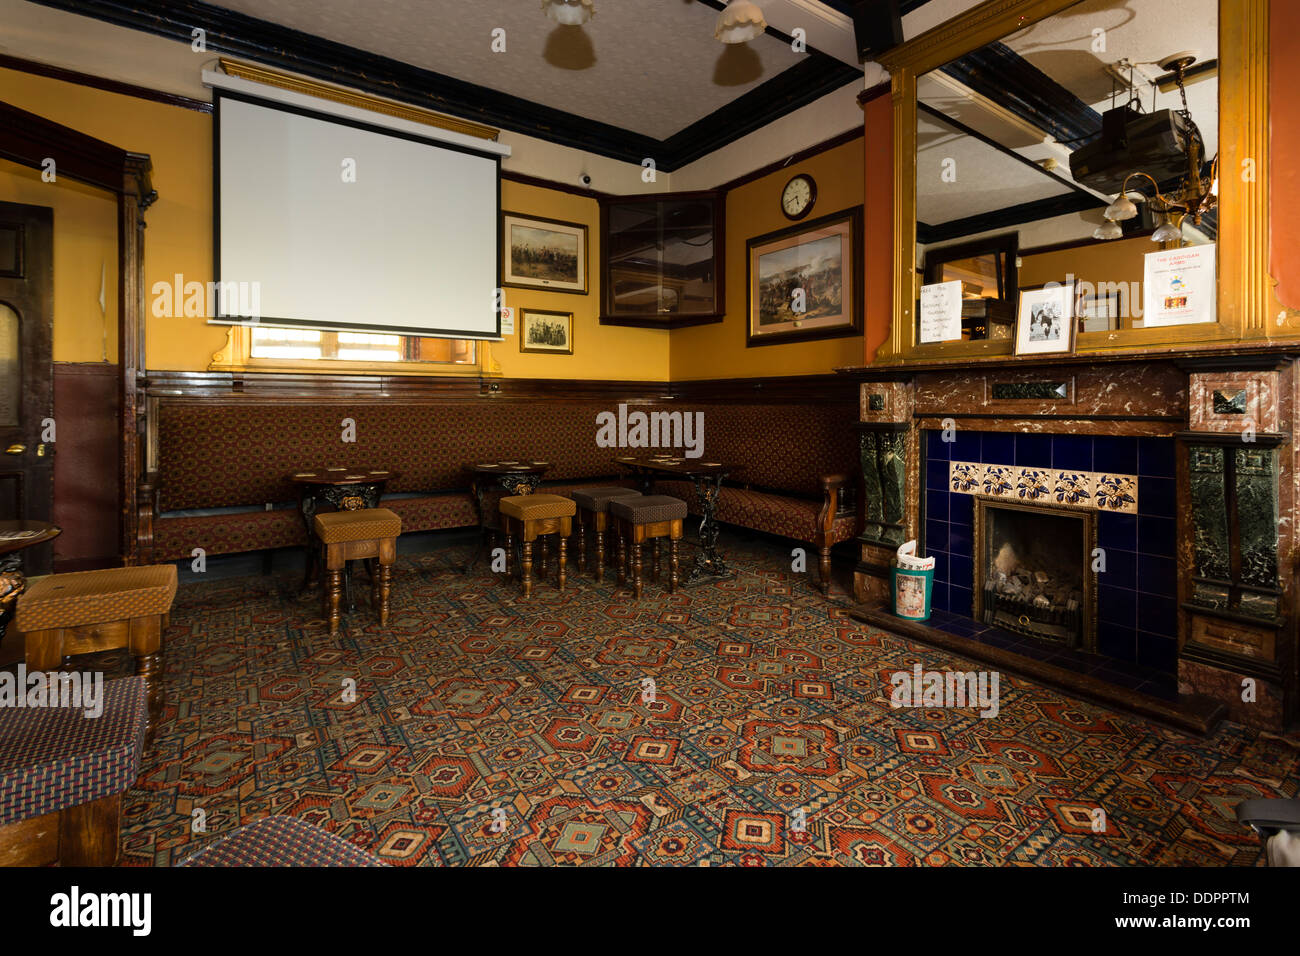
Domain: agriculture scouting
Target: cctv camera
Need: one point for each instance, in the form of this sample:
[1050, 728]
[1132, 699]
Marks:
[585, 180]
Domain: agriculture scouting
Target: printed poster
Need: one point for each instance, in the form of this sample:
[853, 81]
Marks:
[1180, 286]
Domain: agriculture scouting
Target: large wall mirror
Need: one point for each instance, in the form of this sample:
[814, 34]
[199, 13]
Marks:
[1076, 145]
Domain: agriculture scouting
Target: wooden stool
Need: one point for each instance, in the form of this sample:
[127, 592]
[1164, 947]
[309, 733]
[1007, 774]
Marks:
[529, 517]
[647, 518]
[89, 611]
[352, 535]
[62, 774]
[593, 513]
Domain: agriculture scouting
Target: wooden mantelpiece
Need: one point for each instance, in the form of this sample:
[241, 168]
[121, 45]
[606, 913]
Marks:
[1228, 414]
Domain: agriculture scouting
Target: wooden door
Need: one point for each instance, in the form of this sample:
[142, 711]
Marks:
[27, 370]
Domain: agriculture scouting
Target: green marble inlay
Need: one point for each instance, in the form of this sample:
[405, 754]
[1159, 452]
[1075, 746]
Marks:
[1041, 390]
[1230, 403]
[876, 402]
[1209, 514]
[884, 470]
[1257, 515]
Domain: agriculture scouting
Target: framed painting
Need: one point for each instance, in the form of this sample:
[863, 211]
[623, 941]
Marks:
[805, 282]
[542, 331]
[544, 254]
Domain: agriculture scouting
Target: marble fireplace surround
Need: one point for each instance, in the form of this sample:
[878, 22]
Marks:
[1133, 416]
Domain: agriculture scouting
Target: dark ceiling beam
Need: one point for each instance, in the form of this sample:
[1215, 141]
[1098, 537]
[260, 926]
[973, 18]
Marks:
[1017, 215]
[1003, 76]
[238, 35]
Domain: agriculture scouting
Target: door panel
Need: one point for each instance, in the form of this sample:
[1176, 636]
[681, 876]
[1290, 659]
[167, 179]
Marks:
[26, 369]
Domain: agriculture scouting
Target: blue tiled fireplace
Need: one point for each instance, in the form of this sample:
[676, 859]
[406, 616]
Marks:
[1137, 610]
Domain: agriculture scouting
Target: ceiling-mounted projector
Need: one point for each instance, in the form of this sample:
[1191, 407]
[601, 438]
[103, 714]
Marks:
[1151, 143]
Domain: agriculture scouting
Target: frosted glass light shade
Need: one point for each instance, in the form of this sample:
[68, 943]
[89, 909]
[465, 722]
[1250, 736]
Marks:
[569, 13]
[739, 22]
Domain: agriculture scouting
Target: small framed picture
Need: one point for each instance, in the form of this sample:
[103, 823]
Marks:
[541, 331]
[544, 254]
[1046, 323]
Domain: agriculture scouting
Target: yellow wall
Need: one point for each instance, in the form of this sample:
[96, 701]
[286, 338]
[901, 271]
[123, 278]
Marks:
[179, 240]
[599, 351]
[718, 350]
[85, 251]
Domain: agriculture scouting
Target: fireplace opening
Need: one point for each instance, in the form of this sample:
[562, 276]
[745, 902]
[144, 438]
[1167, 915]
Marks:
[1033, 571]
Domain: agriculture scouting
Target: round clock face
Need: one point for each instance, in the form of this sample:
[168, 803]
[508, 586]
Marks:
[798, 197]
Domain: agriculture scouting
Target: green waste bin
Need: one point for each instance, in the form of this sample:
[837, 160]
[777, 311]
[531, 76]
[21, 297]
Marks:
[909, 592]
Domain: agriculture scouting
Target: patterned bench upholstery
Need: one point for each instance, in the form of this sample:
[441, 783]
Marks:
[280, 841]
[53, 758]
[237, 454]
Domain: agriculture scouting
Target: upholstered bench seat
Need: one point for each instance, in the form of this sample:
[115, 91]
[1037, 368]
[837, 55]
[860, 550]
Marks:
[54, 758]
[781, 515]
[175, 537]
[281, 841]
[95, 597]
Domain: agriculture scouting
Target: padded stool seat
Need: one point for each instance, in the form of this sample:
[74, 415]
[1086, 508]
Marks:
[62, 764]
[529, 517]
[537, 507]
[593, 514]
[337, 526]
[648, 509]
[598, 499]
[89, 611]
[280, 841]
[647, 518]
[368, 533]
[94, 597]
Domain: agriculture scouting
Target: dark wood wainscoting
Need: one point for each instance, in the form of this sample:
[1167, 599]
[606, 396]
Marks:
[86, 488]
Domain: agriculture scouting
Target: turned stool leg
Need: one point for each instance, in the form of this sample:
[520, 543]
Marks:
[510, 556]
[621, 558]
[335, 595]
[385, 589]
[526, 568]
[654, 559]
[636, 569]
[561, 557]
[672, 565]
[600, 554]
[582, 546]
[150, 666]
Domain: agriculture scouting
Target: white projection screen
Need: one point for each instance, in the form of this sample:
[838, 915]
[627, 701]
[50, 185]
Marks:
[331, 224]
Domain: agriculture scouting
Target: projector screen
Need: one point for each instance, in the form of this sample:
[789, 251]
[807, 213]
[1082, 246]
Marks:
[334, 224]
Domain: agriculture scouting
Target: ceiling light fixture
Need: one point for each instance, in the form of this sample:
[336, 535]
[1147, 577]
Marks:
[1195, 194]
[739, 22]
[569, 13]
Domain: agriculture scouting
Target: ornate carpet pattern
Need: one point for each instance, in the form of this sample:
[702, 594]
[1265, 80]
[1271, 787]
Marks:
[488, 731]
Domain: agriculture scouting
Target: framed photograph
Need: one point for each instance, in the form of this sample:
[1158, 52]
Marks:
[541, 331]
[805, 281]
[1097, 312]
[544, 254]
[1046, 322]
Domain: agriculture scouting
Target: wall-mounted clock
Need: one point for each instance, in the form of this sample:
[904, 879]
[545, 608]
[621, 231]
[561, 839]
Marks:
[798, 197]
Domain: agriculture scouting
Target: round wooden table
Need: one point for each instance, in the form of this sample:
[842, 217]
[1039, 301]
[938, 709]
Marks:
[347, 489]
[517, 477]
[15, 536]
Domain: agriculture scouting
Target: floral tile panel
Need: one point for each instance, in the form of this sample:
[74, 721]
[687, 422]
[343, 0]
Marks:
[1098, 491]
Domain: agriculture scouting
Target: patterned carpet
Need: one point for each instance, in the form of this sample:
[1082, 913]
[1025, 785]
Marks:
[488, 731]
